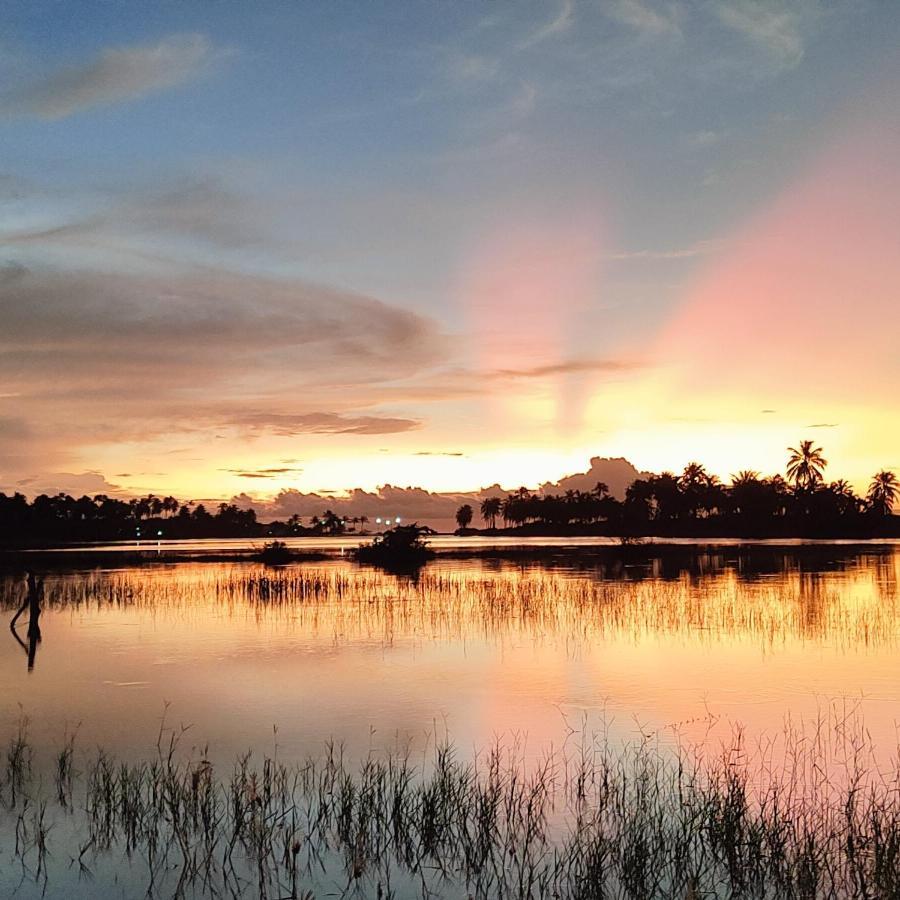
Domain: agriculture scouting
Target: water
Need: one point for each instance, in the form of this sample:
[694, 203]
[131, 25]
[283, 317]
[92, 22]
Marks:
[340, 544]
[477, 648]
[681, 645]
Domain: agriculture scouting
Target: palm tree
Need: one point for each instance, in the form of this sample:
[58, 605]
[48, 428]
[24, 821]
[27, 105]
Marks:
[883, 492]
[464, 516]
[694, 474]
[692, 480]
[844, 496]
[490, 509]
[806, 464]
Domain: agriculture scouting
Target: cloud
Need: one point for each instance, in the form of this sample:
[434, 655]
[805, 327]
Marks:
[705, 138]
[778, 29]
[198, 208]
[434, 508]
[410, 503]
[440, 453]
[700, 248]
[115, 75]
[642, 17]
[566, 367]
[103, 358]
[288, 425]
[77, 485]
[559, 24]
[470, 67]
[616, 473]
[272, 472]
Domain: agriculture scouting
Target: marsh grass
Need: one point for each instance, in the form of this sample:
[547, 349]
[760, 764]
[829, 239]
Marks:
[808, 818]
[853, 608]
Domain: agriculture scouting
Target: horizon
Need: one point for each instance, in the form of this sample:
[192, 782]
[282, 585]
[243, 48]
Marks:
[326, 248]
[805, 476]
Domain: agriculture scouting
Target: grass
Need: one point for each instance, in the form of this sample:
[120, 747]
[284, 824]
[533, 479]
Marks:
[586, 822]
[810, 815]
[858, 607]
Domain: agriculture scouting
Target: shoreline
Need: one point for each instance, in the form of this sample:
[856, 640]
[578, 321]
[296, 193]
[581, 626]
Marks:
[634, 550]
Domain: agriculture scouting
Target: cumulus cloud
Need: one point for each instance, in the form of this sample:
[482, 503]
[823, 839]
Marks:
[616, 473]
[77, 485]
[427, 507]
[115, 75]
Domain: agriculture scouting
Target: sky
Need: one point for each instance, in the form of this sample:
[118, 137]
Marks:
[250, 249]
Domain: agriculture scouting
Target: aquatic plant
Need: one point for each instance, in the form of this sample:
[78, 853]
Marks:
[597, 820]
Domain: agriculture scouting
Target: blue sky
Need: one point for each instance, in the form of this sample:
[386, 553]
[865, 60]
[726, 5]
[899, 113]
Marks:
[408, 154]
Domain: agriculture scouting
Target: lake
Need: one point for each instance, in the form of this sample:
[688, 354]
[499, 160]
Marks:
[679, 647]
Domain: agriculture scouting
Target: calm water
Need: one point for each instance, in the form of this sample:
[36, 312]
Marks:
[681, 646]
[476, 649]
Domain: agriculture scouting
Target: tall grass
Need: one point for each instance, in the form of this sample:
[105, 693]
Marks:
[595, 820]
[851, 608]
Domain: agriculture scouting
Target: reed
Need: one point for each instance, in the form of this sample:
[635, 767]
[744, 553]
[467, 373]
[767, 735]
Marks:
[595, 820]
[857, 607]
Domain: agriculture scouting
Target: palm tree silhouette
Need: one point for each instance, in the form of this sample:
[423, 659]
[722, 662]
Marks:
[883, 492]
[464, 516]
[490, 509]
[806, 464]
[694, 474]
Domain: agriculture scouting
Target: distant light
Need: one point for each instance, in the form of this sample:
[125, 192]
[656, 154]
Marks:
[397, 520]
[378, 521]
[159, 534]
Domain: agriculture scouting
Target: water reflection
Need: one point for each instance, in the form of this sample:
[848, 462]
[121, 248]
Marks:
[34, 592]
[655, 641]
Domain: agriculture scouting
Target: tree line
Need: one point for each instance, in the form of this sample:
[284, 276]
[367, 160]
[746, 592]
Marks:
[61, 518]
[697, 502]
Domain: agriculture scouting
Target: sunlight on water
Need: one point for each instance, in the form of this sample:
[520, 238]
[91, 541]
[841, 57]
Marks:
[479, 647]
[678, 648]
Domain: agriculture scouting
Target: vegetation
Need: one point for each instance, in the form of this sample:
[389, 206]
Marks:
[490, 509]
[64, 519]
[766, 594]
[275, 553]
[806, 465]
[464, 516]
[696, 503]
[883, 492]
[632, 821]
[399, 548]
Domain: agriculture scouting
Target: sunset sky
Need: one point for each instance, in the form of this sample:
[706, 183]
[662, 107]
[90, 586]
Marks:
[323, 245]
